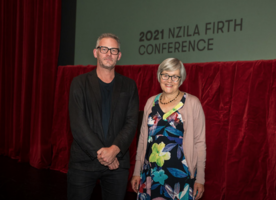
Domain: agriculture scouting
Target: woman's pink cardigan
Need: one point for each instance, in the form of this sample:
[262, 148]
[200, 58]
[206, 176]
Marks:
[194, 145]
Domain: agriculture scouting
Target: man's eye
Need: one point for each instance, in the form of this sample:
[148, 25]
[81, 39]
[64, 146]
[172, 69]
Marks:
[104, 48]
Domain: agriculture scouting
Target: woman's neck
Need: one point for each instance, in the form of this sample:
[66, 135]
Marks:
[168, 100]
[168, 97]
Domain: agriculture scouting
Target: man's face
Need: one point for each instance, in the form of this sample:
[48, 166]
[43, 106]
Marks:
[108, 60]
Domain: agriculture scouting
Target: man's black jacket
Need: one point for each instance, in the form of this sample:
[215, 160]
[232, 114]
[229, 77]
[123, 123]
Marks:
[85, 119]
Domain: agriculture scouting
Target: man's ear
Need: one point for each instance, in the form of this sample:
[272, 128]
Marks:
[95, 52]
[119, 56]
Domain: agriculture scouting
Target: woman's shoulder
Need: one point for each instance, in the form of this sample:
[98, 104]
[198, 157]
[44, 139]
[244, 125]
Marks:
[191, 98]
[192, 105]
[151, 100]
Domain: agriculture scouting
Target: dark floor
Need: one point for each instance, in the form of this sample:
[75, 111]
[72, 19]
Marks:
[20, 181]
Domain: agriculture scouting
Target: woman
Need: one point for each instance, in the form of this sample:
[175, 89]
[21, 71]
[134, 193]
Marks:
[171, 152]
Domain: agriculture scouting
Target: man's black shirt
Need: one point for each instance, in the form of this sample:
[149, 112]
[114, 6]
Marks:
[106, 92]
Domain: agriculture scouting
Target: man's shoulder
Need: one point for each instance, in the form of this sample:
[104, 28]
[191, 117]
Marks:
[123, 77]
[85, 75]
[80, 79]
[126, 80]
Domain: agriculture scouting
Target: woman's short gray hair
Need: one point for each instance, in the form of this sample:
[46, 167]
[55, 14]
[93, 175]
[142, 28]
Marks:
[172, 64]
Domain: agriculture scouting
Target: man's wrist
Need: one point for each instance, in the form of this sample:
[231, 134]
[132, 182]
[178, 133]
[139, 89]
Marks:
[115, 148]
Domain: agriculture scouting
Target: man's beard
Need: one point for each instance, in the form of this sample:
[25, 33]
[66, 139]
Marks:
[107, 66]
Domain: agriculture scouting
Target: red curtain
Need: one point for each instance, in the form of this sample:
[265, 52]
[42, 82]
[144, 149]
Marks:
[239, 101]
[29, 35]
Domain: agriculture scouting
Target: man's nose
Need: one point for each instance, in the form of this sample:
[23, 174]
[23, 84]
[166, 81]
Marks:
[109, 52]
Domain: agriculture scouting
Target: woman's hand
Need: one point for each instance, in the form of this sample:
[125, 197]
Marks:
[198, 190]
[135, 183]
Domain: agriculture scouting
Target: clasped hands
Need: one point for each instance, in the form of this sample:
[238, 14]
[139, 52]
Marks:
[107, 156]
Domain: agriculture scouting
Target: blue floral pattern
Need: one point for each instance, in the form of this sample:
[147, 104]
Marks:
[165, 173]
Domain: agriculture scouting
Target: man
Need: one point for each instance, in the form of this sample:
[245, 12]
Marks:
[103, 110]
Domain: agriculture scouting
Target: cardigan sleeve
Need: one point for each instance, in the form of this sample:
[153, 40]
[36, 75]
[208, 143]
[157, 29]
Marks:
[199, 139]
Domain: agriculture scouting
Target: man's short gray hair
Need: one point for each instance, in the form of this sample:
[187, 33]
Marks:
[172, 64]
[108, 35]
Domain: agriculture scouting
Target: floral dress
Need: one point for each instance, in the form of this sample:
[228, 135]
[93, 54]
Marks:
[165, 173]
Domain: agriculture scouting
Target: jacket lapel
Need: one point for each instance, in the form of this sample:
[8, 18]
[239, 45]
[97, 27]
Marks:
[96, 101]
[94, 86]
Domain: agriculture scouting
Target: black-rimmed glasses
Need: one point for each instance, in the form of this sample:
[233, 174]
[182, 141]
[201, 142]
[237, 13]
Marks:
[174, 77]
[113, 51]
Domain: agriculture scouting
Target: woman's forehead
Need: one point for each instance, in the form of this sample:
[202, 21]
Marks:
[175, 72]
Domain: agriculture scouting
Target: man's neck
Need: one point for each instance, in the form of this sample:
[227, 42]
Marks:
[105, 75]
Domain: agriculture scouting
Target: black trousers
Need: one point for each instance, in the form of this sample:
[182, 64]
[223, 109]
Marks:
[80, 184]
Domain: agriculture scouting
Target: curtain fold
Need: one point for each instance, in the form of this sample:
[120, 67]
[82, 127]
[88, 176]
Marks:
[239, 101]
[30, 35]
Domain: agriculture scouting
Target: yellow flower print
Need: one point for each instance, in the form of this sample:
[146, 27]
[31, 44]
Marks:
[158, 155]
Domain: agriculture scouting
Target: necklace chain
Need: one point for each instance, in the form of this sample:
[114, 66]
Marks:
[170, 100]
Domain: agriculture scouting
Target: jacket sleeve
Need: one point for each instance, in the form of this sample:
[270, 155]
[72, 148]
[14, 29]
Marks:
[200, 143]
[127, 133]
[83, 135]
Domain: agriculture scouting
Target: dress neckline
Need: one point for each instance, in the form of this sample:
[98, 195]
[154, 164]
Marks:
[174, 109]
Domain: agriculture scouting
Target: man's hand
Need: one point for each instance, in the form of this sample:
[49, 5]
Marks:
[114, 165]
[135, 183]
[106, 155]
[198, 190]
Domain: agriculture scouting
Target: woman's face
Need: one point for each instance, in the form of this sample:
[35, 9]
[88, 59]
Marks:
[169, 86]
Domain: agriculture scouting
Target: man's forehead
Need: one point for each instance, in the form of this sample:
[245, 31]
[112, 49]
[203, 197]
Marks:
[108, 42]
